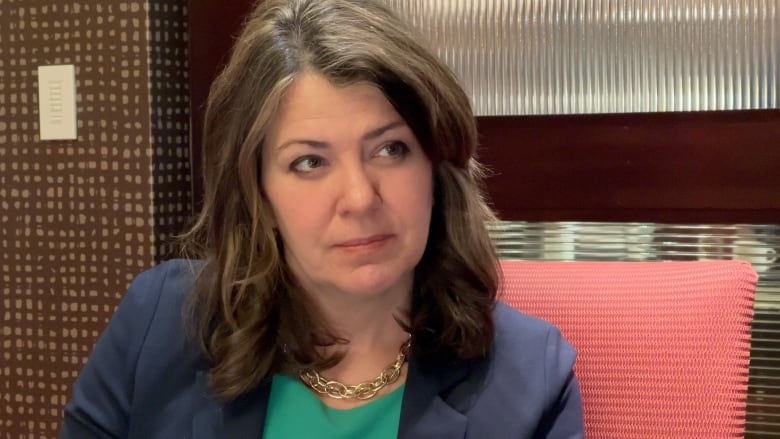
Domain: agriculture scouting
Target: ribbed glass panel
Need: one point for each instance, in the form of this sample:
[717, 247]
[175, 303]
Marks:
[606, 56]
[758, 244]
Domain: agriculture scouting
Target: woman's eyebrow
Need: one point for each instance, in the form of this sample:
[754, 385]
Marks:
[373, 134]
[312, 143]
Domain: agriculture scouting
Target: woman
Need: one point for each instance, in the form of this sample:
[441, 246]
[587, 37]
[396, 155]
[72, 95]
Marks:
[346, 284]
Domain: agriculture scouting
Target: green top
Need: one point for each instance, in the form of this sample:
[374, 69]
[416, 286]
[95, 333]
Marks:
[294, 411]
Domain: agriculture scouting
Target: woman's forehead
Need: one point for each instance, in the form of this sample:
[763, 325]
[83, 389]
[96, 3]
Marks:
[314, 103]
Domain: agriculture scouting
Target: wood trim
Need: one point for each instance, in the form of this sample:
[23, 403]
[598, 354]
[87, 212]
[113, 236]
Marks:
[698, 167]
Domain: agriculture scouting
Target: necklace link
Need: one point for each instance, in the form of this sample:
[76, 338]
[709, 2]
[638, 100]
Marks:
[361, 391]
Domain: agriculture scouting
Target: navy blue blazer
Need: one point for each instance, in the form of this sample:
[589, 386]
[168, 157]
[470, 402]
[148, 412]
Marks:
[144, 380]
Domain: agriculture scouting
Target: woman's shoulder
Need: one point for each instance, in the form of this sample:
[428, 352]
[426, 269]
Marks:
[158, 297]
[512, 321]
[143, 362]
[171, 277]
[162, 288]
[154, 307]
[520, 337]
[527, 381]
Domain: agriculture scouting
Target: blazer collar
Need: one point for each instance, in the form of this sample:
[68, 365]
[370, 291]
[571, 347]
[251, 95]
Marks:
[242, 417]
[245, 416]
[436, 397]
[434, 402]
[206, 411]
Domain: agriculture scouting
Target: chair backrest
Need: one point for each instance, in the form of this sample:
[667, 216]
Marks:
[663, 347]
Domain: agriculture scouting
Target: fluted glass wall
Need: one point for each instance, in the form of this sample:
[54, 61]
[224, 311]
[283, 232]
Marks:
[606, 56]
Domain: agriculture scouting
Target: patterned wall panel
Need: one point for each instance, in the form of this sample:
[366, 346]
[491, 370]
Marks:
[77, 218]
[170, 122]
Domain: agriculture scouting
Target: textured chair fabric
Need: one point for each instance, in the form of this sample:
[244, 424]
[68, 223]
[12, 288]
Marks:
[663, 346]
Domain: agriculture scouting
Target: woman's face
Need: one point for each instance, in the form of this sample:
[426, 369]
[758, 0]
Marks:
[350, 187]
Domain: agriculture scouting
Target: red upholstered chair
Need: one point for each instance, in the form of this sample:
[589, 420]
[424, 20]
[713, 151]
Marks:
[663, 346]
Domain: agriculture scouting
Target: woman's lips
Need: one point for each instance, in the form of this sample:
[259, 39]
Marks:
[369, 242]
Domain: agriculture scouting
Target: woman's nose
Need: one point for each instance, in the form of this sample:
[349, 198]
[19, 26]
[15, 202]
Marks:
[360, 193]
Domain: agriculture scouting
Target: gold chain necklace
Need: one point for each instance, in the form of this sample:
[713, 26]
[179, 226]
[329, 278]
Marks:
[366, 389]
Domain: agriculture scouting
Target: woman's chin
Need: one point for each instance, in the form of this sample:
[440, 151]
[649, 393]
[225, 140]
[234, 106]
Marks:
[372, 284]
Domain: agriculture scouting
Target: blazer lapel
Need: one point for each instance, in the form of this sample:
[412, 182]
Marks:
[245, 416]
[426, 412]
[206, 411]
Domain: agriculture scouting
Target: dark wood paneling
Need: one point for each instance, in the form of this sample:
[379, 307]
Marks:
[213, 27]
[668, 167]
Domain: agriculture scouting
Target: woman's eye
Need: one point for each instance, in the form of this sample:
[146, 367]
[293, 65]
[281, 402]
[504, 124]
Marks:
[306, 163]
[393, 149]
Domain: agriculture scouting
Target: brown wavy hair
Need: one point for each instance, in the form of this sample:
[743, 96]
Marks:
[248, 313]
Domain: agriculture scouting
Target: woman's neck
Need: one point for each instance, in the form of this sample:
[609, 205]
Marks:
[370, 324]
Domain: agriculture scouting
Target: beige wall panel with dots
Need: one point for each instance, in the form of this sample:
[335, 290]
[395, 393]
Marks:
[80, 218]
